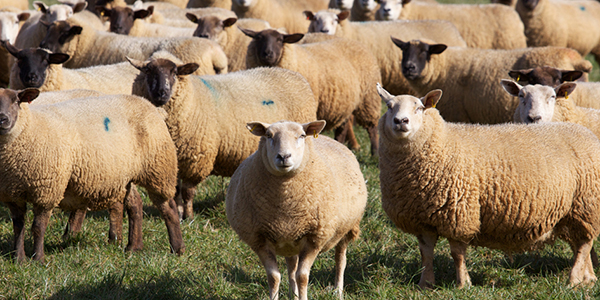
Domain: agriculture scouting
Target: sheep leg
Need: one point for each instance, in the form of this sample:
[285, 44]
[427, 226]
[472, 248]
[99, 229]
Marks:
[185, 200]
[595, 262]
[74, 224]
[17, 214]
[168, 211]
[346, 131]
[269, 261]
[582, 272]
[458, 251]
[115, 231]
[134, 207]
[292, 268]
[38, 229]
[306, 258]
[374, 137]
[340, 266]
[427, 243]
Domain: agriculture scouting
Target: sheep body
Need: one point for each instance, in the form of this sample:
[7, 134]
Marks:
[225, 4]
[279, 14]
[19, 4]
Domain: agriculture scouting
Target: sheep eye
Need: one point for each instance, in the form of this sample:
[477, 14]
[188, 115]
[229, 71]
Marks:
[269, 136]
[420, 109]
[302, 136]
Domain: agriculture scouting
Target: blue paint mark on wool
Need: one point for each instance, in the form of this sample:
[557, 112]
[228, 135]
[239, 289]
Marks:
[265, 102]
[582, 8]
[106, 121]
[210, 88]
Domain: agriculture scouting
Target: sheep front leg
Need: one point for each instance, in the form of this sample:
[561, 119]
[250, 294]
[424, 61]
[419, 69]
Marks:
[134, 207]
[427, 243]
[74, 224]
[374, 137]
[185, 200]
[583, 271]
[168, 211]
[306, 258]
[269, 261]
[115, 230]
[38, 229]
[340, 266]
[17, 214]
[346, 132]
[458, 251]
[292, 268]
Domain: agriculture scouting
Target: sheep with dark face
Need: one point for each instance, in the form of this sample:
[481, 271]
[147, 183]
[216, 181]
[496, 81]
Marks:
[124, 20]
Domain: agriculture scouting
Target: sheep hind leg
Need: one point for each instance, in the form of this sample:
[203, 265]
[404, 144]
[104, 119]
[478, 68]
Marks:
[168, 211]
[292, 268]
[38, 229]
[74, 224]
[427, 243]
[185, 200]
[374, 137]
[269, 261]
[134, 207]
[458, 251]
[582, 272]
[115, 231]
[17, 214]
[346, 132]
[340, 266]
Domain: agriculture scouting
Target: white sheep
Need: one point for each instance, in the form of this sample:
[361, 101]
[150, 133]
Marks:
[226, 33]
[10, 23]
[88, 152]
[573, 24]
[340, 72]
[375, 36]
[298, 195]
[88, 47]
[206, 114]
[469, 184]
[498, 26]
[469, 76]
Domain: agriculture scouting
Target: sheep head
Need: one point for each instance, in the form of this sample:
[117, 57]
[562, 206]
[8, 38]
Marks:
[58, 12]
[269, 44]
[210, 27]
[283, 144]
[325, 21]
[9, 24]
[390, 9]
[58, 35]
[415, 56]
[122, 17]
[33, 63]
[10, 101]
[545, 76]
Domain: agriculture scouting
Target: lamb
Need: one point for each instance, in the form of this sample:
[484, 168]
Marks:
[10, 23]
[278, 13]
[573, 24]
[225, 4]
[586, 94]
[226, 33]
[308, 194]
[206, 114]
[117, 141]
[375, 36]
[88, 47]
[340, 72]
[42, 69]
[470, 76]
[498, 26]
[465, 183]
[124, 20]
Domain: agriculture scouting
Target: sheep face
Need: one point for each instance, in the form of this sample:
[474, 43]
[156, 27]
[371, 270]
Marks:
[536, 102]
[269, 44]
[284, 142]
[545, 76]
[344, 4]
[367, 5]
[9, 106]
[325, 21]
[390, 9]
[59, 36]
[122, 18]
[161, 77]
[9, 25]
[210, 27]
[58, 12]
[33, 63]
[404, 116]
[243, 3]
[416, 55]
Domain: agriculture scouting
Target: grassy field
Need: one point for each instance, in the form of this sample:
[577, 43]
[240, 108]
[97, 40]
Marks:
[383, 264]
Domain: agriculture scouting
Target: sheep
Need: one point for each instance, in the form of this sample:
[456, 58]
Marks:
[220, 105]
[180, 14]
[88, 151]
[375, 36]
[586, 94]
[573, 24]
[470, 76]
[296, 196]
[42, 69]
[278, 13]
[331, 67]
[465, 183]
[225, 32]
[124, 20]
[498, 26]
[88, 47]
[10, 22]
[225, 4]
[341, 4]
[363, 10]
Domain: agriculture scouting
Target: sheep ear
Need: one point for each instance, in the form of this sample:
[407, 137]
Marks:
[404, 2]
[14, 51]
[40, 6]
[309, 15]
[103, 11]
[143, 13]
[23, 16]
[565, 89]
[192, 17]
[432, 98]
[511, 87]
[58, 58]
[314, 128]
[28, 95]
[80, 6]
[138, 64]
[570, 75]
[343, 15]
[187, 69]
[385, 95]
[437, 48]
[229, 22]
[257, 128]
[520, 75]
[248, 32]
[292, 38]
[402, 45]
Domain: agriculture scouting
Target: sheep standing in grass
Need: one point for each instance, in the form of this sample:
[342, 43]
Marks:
[587, 94]
[87, 154]
[340, 72]
[296, 196]
[375, 37]
[573, 24]
[467, 183]
[469, 77]
[498, 26]
[88, 47]
[206, 114]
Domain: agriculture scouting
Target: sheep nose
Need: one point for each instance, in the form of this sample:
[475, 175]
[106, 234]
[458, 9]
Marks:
[400, 121]
[535, 119]
[31, 77]
[387, 9]
[284, 157]
[163, 93]
[410, 66]
[3, 120]
[325, 30]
